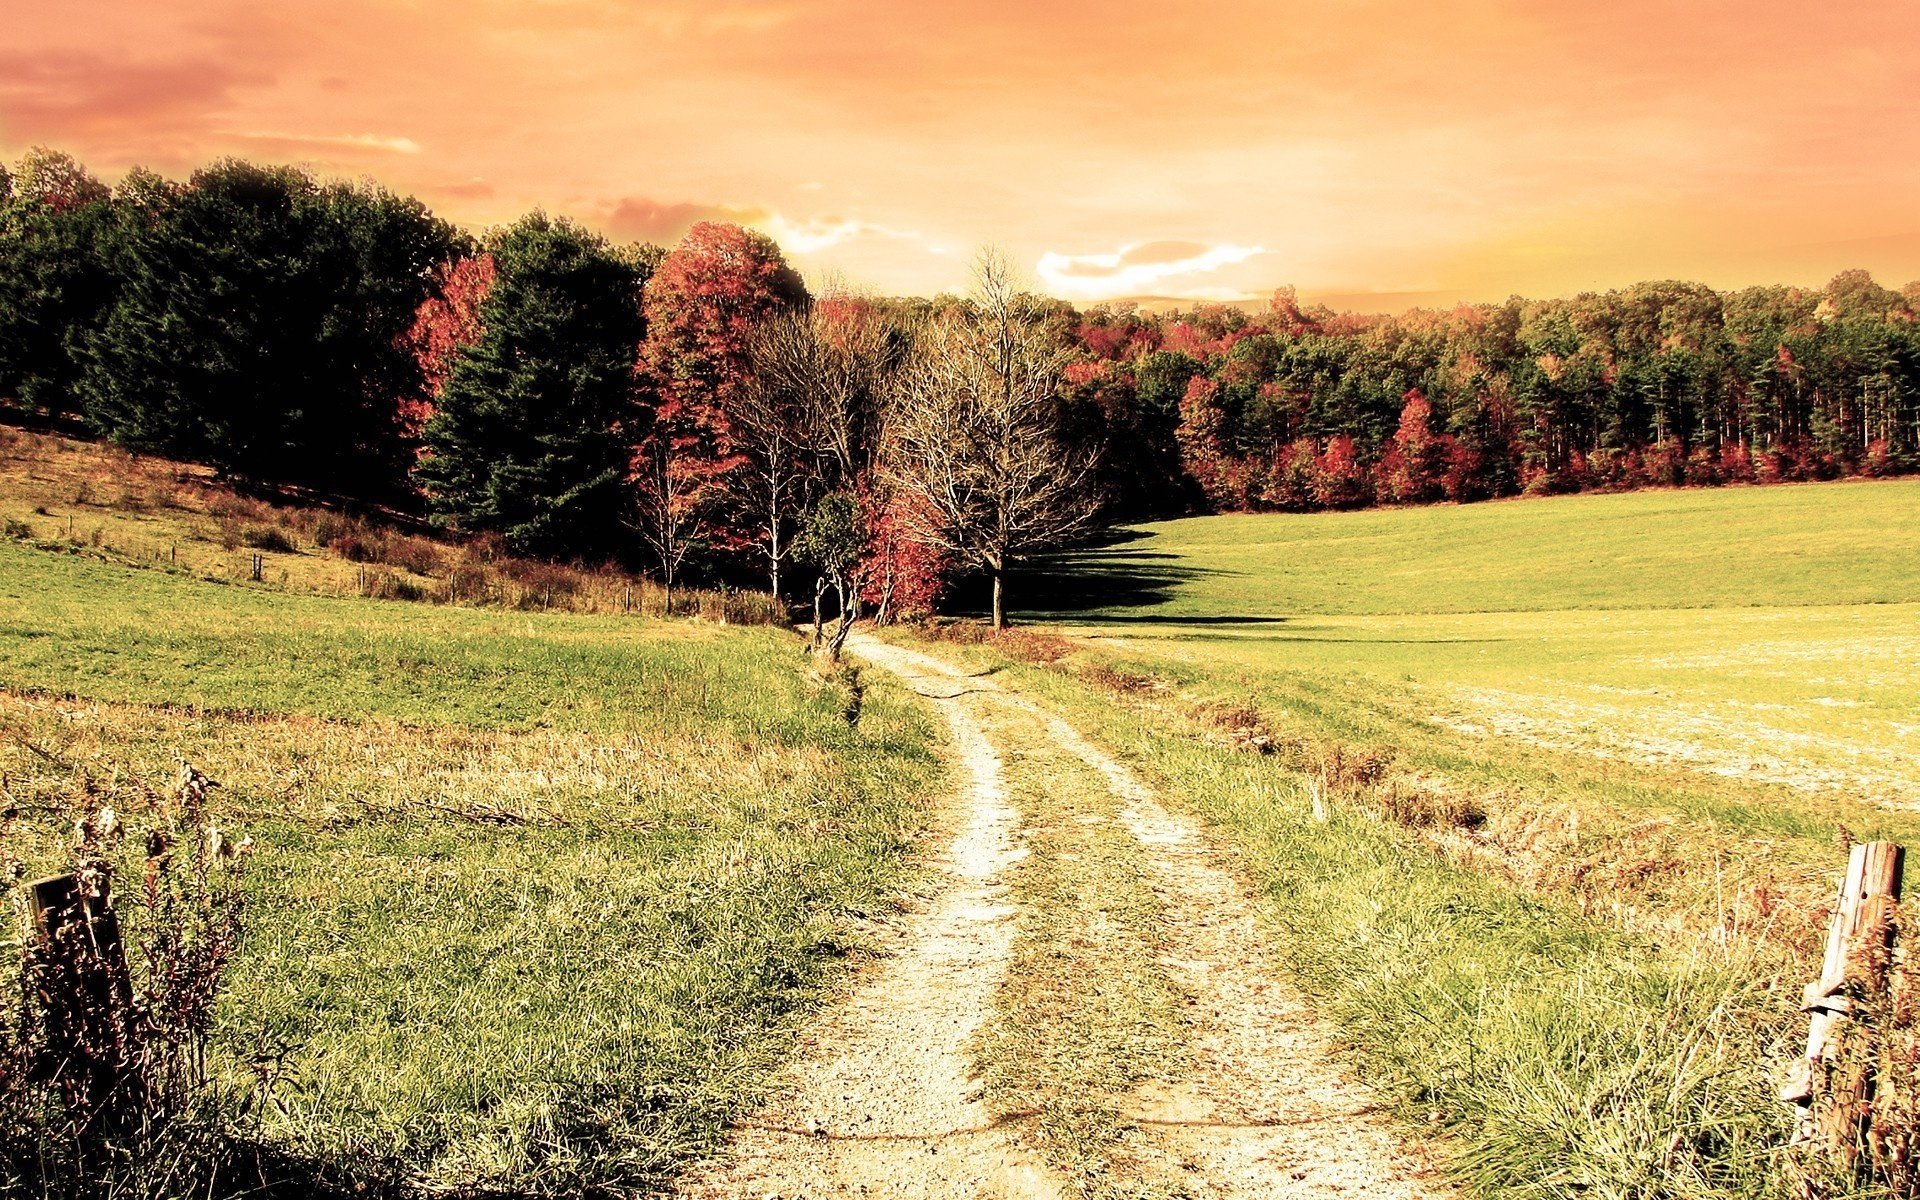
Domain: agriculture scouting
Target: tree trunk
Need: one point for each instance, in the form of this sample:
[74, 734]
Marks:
[819, 589]
[999, 598]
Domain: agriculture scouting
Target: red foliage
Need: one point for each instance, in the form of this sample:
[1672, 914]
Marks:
[1202, 447]
[446, 324]
[1413, 470]
[1289, 482]
[1736, 463]
[1339, 481]
[901, 576]
[1462, 480]
[702, 305]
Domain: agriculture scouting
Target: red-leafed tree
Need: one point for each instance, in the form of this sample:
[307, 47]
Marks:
[1339, 481]
[444, 327]
[1413, 468]
[901, 575]
[1202, 439]
[703, 305]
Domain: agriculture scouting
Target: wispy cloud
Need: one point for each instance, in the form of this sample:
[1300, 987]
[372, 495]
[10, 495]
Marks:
[294, 142]
[664, 222]
[1143, 266]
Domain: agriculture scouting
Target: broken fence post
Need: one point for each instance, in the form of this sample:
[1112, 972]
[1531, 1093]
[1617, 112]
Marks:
[1833, 1092]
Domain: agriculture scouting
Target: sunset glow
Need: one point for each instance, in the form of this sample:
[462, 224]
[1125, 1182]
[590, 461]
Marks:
[1374, 154]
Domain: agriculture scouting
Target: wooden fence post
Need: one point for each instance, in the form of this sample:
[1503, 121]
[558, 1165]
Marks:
[1834, 1092]
[259, 568]
[87, 1001]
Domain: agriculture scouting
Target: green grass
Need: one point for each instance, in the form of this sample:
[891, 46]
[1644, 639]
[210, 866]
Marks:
[1742, 662]
[537, 899]
[1805, 544]
[1559, 1055]
[1663, 708]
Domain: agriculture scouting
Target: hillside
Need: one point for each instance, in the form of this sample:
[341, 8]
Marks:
[534, 897]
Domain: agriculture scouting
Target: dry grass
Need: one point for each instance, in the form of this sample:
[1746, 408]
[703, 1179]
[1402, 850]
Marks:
[97, 499]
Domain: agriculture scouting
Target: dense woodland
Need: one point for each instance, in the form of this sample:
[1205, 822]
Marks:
[695, 410]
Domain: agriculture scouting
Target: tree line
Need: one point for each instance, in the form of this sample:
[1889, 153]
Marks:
[697, 411]
[1658, 384]
[691, 410]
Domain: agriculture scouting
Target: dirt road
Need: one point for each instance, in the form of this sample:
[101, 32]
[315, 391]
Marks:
[885, 1098]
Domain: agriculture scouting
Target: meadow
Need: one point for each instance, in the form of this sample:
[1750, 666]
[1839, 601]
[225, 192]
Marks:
[535, 898]
[1547, 799]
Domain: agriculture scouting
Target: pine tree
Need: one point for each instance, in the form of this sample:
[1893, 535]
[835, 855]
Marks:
[530, 435]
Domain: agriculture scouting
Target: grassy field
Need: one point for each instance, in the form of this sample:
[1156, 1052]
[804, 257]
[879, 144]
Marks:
[536, 897]
[1742, 681]
[1587, 765]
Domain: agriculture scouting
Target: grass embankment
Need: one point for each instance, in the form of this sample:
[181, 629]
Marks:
[534, 895]
[96, 500]
[1586, 763]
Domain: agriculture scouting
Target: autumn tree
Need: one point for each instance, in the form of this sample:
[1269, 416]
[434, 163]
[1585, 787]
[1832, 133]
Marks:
[446, 325]
[975, 432]
[704, 304]
[530, 435]
[1413, 470]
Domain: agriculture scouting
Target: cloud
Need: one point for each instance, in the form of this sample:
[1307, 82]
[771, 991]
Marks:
[642, 219]
[293, 143]
[55, 95]
[1141, 266]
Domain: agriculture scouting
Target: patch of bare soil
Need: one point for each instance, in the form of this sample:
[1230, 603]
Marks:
[882, 1099]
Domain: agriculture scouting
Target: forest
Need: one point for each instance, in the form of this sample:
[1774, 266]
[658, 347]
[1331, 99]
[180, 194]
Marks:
[697, 412]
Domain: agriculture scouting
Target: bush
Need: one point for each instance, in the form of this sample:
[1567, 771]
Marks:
[105, 1084]
[268, 537]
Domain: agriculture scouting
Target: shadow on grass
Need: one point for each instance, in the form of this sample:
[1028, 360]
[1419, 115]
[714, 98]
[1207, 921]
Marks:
[1107, 579]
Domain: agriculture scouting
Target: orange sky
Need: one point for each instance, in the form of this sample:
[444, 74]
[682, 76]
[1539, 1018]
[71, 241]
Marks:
[1350, 147]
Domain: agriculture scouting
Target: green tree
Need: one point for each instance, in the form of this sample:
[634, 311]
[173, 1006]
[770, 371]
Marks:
[531, 437]
[258, 325]
[55, 285]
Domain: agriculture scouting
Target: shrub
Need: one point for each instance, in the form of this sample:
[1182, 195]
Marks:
[267, 537]
[413, 554]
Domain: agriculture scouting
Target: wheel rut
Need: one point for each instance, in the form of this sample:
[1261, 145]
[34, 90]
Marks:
[884, 1100]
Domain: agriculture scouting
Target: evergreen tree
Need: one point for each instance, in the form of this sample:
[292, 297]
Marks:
[55, 285]
[258, 326]
[530, 437]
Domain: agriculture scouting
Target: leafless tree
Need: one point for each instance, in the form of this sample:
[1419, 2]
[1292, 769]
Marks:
[805, 422]
[975, 431]
[674, 495]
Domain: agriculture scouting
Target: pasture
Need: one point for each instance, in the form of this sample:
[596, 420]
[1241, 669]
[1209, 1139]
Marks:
[536, 898]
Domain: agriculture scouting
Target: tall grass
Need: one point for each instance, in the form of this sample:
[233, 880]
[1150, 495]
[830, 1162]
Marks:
[1560, 1055]
[100, 501]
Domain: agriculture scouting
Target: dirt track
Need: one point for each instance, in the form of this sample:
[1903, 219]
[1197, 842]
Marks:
[883, 1099]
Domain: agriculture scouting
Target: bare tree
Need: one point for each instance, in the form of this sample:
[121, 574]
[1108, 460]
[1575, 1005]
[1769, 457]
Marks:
[674, 493]
[975, 431]
[806, 420]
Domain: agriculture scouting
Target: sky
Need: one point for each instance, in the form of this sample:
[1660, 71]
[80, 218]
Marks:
[1372, 153]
